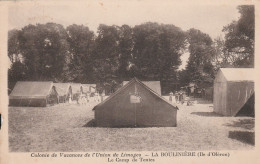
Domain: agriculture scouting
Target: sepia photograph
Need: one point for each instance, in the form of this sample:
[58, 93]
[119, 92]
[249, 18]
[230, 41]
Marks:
[131, 76]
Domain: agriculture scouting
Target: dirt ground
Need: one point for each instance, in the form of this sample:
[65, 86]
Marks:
[68, 128]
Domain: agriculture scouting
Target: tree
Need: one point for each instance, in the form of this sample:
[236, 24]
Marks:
[157, 51]
[199, 68]
[44, 49]
[106, 57]
[125, 46]
[17, 72]
[14, 45]
[81, 43]
[240, 38]
[221, 59]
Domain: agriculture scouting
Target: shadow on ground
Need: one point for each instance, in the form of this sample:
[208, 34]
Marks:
[243, 136]
[207, 114]
[248, 124]
[202, 101]
[91, 123]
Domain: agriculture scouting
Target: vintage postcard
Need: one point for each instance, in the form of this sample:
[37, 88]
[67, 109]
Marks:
[129, 81]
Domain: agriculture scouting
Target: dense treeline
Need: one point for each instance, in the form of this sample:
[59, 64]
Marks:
[149, 51]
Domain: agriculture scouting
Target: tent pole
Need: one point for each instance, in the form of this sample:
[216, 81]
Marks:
[135, 107]
[135, 114]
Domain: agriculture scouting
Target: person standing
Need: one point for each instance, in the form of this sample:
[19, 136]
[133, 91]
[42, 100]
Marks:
[88, 95]
[102, 96]
[189, 91]
[78, 98]
[96, 97]
[70, 101]
[176, 97]
[170, 96]
[183, 97]
[180, 97]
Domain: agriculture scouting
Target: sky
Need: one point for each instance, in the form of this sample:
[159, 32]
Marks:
[208, 18]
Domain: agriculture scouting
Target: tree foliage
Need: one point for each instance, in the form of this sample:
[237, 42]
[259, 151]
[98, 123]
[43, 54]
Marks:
[240, 38]
[13, 45]
[44, 48]
[148, 51]
[199, 68]
[126, 45]
[106, 56]
[157, 52]
[81, 44]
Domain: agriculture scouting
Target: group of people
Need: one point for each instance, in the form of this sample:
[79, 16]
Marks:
[180, 97]
[83, 99]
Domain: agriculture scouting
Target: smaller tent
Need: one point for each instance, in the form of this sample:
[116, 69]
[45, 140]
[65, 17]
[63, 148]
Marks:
[91, 88]
[64, 91]
[33, 93]
[234, 92]
[154, 85]
[135, 105]
[76, 90]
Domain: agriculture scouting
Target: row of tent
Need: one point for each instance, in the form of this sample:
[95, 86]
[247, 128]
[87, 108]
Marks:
[136, 104]
[42, 94]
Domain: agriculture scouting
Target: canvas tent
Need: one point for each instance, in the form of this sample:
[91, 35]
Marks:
[135, 105]
[93, 88]
[89, 88]
[154, 85]
[64, 91]
[234, 92]
[32, 93]
[76, 90]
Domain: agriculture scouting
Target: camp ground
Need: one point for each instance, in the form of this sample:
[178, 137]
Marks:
[136, 105]
[72, 129]
[135, 112]
[35, 94]
[64, 91]
[132, 77]
[233, 94]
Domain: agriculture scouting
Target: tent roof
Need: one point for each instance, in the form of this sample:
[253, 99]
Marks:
[28, 89]
[154, 85]
[87, 86]
[145, 86]
[75, 87]
[238, 74]
[92, 85]
[62, 88]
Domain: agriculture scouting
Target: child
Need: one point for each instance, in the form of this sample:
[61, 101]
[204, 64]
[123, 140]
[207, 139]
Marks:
[170, 97]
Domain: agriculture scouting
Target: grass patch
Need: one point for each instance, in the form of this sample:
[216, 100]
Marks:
[72, 128]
